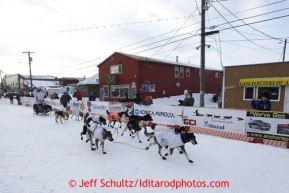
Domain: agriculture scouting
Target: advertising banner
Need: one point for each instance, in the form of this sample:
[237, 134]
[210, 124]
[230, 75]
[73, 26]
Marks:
[27, 100]
[162, 114]
[212, 118]
[268, 125]
[54, 103]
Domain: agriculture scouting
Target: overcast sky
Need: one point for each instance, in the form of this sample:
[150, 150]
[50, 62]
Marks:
[70, 37]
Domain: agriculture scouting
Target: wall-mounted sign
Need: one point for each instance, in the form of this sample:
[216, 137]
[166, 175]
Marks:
[148, 88]
[110, 79]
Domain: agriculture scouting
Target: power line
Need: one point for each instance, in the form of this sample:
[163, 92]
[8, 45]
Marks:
[240, 32]
[176, 30]
[220, 56]
[245, 23]
[106, 17]
[174, 34]
[190, 37]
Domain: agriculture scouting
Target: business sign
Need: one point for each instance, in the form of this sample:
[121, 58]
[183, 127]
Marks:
[264, 81]
[268, 125]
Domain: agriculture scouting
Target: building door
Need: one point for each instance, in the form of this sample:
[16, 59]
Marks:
[133, 92]
[286, 100]
[101, 94]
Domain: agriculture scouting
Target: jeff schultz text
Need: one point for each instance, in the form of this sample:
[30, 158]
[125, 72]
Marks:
[149, 183]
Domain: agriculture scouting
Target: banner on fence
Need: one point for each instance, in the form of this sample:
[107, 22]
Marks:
[212, 118]
[162, 114]
[268, 125]
[27, 100]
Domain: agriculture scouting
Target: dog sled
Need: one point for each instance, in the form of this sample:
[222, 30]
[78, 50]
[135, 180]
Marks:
[42, 108]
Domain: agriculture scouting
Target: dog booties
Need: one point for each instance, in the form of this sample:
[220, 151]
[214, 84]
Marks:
[169, 139]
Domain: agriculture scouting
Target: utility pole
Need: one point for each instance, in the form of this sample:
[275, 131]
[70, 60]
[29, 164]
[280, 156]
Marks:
[203, 40]
[29, 59]
[284, 50]
[204, 8]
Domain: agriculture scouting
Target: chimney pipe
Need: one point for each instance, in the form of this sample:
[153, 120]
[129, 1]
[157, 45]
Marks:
[176, 58]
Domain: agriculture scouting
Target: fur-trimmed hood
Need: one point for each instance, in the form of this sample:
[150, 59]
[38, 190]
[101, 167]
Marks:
[188, 93]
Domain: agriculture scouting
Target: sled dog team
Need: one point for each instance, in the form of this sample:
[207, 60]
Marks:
[95, 131]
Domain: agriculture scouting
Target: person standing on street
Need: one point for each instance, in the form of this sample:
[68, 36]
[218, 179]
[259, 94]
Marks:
[65, 99]
[11, 98]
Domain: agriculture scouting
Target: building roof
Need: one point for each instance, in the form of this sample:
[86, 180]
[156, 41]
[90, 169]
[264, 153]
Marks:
[142, 58]
[38, 76]
[286, 62]
[91, 80]
[41, 83]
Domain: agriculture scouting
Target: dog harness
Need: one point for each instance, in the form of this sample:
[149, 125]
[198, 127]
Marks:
[169, 138]
[113, 116]
[97, 131]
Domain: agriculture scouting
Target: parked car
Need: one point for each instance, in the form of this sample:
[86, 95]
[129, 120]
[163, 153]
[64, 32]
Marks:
[258, 124]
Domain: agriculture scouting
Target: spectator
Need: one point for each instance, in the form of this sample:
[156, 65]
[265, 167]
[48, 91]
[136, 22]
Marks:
[18, 99]
[91, 97]
[55, 96]
[189, 99]
[11, 98]
[137, 99]
[65, 99]
[264, 104]
[78, 95]
[39, 94]
[125, 99]
[148, 101]
[220, 98]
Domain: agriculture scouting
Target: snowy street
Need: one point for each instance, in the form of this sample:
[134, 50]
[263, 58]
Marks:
[39, 155]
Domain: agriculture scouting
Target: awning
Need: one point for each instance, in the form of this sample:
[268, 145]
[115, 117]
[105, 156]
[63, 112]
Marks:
[273, 81]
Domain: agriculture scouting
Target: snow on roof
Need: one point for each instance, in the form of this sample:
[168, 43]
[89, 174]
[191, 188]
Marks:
[91, 80]
[168, 62]
[41, 83]
[38, 76]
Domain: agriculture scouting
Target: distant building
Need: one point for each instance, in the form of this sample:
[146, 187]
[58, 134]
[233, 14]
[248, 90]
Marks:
[70, 81]
[125, 73]
[22, 83]
[88, 85]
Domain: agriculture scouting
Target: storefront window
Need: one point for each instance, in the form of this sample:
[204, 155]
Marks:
[114, 91]
[273, 90]
[118, 91]
[249, 93]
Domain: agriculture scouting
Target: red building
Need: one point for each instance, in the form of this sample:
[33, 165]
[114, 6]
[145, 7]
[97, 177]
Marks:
[121, 73]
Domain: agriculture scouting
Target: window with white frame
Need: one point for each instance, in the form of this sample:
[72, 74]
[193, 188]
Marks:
[105, 91]
[249, 93]
[188, 72]
[176, 71]
[115, 69]
[182, 72]
[118, 91]
[273, 90]
[217, 75]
